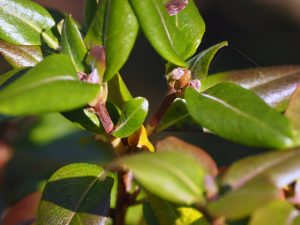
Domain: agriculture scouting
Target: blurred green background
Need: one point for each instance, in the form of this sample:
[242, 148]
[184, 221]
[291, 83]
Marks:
[260, 33]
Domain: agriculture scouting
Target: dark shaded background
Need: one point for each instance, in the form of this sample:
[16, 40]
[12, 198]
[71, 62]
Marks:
[260, 33]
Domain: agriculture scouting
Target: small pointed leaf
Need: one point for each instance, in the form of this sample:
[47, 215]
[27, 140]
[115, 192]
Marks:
[115, 27]
[274, 85]
[239, 115]
[51, 86]
[20, 56]
[72, 43]
[200, 63]
[76, 194]
[132, 117]
[24, 22]
[179, 177]
[175, 38]
[177, 118]
[87, 119]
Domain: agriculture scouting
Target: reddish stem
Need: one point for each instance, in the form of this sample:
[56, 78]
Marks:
[104, 117]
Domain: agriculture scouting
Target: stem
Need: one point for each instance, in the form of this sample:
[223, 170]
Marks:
[104, 117]
[164, 106]
[122, 200]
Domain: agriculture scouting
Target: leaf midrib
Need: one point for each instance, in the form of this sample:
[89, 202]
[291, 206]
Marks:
[242, 114]
[84, 195]
[276, 78]
[120, 126]
[39, 83]
[164, 25]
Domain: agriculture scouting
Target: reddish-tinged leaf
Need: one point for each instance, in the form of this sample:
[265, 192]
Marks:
[274, 85]
[24, 212]
[281, 168]
[20, 56]
[176, 6]
[175, 144]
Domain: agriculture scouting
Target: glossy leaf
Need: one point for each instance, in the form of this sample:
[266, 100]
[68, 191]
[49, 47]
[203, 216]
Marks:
[160, 212]
[293, 113]
[51, 86]
[115, 27]
[76, 194]
[179, 177]
[203, 158]
[244, 201]
[120, 94]
[8, 75]
[132, 117]
[275, 213]
[281, 168]
[239, 115]
[274, 85]
[177, 118]
[175, 38]
[24, 212]
[72, 43]
[200, 63]
[90, 8]
[24, 22]
[20, 56]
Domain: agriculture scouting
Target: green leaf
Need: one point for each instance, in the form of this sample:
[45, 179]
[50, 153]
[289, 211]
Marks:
[76, 194]
[281, 168]
[177, 118]
[274, 85]
[72, 43]
[237, 114]
[175, 38]
[132, 117]
[293, 113]
[200, 63]
[89, 11]
[160, 212]
[88, 120]
[51, 127]
[8, 75]
[275, 213]
[244, 201]
[24, 22]
[51, 86]
[173, 176]
[175, 144]
[20, 56]
[115, 27]
[120, 94]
